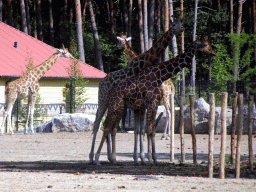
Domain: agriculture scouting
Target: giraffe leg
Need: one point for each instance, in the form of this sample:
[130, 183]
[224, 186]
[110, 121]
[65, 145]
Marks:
[153, 148]
[149, 149]
[136, 132]
[31, 105]
[109, 151]
[142, 133]
[5, 115]
[142, 153]
[166, 133]
[113, 137]
[151, 113]
[26, 125]
[109, 126]
[97, 155]
[99, 115]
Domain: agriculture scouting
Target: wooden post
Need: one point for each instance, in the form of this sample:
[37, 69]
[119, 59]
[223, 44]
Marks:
[239, 133]
[193, 130]
[251, 99]
[223, 134]
[172, 127]
[211, 134]
[233, 128]
[182, 131]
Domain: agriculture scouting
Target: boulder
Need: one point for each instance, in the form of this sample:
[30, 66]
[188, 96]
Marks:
[72, 122]
[201, 115]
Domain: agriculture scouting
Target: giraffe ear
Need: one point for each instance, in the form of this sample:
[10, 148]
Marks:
[129, 39]
[119, 38]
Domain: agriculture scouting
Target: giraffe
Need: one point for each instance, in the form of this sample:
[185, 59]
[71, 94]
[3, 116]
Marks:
[148, 58]
[28, 86]
[143, 92]
[167, 86]
[123, 41]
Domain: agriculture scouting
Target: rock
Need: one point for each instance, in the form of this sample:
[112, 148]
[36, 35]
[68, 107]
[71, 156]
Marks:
[42, 128]
[201, 115]
[72, 122]
[65, 122]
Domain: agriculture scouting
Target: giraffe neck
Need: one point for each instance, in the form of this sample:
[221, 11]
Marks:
[129, 51]
[38, 71]
[152, 56]
[167, 69]
[159, 47]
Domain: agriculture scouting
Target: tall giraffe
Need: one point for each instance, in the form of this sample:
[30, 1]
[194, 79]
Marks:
[167, 86]
[143, 92]
[148, 58]
[28, 86]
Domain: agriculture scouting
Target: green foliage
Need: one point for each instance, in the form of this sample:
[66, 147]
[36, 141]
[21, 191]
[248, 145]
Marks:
[223, 64]
[78, 85]
[124, 59]
[242, 47]
[37, 112]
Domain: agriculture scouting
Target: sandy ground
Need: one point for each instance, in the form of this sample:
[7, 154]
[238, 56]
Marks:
[59, 162]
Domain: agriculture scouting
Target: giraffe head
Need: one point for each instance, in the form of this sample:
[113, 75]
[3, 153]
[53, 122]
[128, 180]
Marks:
[176, 25]
[122, 39]
[205, 46]
[64, 53]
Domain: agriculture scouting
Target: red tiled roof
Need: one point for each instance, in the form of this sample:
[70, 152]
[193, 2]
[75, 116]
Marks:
[13, 60]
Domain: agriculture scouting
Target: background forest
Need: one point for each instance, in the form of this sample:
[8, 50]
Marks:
[89, 29]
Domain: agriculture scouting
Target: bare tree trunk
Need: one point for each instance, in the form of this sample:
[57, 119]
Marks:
[238, 31]
[1, 10]
[209, 26]
[254, 26]
[79, 31]
[110, 15]
[166, 26]
[84, 6]
[10, 12]
[51, 24]
[145, 24]
[174, 42]
[96, 38]
[151, 22]
[28, 16]
[125, 16]
[193, 68]
[23, 17]
[141, 27]
[157, 18]
[35, 21]
[182, 50]
[112, 19]
[130, 19]
[231, 16]
[39, 20]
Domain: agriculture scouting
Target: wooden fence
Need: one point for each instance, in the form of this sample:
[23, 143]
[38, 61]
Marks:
[238, 101]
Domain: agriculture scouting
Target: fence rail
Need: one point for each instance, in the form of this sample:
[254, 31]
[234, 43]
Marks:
[57, 108]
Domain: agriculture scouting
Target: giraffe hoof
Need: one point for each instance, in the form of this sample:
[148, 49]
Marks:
[143, 163]
[167, 138]
[136, 163]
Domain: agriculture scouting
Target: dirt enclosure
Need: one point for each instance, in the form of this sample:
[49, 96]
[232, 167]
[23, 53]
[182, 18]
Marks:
[59, 162]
